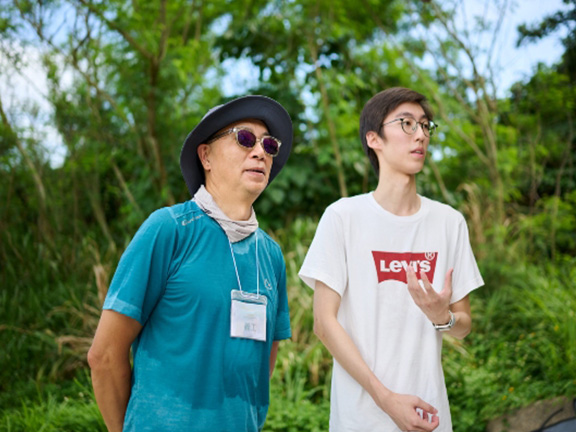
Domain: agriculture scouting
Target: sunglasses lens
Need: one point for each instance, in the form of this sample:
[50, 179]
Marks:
[246, 138]
[271, 146]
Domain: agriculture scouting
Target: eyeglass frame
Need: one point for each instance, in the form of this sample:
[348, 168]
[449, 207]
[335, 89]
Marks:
[237, 129]
[431, 126]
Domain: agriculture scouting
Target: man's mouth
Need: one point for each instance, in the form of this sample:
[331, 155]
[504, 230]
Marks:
[256, 170]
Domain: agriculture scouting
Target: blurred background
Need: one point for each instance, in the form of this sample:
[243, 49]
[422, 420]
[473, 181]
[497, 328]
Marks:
[97, 97]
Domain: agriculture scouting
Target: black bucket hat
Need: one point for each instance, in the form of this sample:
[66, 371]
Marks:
[263, 108]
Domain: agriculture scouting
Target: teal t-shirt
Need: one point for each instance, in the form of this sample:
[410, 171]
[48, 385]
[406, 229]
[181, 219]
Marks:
[176, 278]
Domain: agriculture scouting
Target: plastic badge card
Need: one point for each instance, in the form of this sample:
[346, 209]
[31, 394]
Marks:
[248, 316]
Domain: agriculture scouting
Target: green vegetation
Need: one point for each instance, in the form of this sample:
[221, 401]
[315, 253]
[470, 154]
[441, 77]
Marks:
[128, 80]
[522, 349]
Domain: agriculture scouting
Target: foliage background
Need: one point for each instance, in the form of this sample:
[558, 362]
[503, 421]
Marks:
[128, 80]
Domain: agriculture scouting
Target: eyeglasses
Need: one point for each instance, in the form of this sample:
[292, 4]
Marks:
[410, 125]
[245, 138]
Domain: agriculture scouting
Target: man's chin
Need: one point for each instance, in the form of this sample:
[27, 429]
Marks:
[255, 189]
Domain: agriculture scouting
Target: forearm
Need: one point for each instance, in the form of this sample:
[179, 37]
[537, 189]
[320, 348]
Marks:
[346, 353]
[273, 356]
[112, 390]
[109, 360]
[463, 318]
[462, 326]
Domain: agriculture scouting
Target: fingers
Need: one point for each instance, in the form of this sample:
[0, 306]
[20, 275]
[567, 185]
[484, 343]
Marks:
[411, 274]
[425, 281]
[448, 280]
[412, 279]
[413, 285]
[432, 424]
[410, 413]
[427, 408]
[428, 422]
[422, 293]
[447, 290]
[428, 419]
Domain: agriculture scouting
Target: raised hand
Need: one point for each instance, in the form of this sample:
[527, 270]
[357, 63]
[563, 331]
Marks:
[435, 305]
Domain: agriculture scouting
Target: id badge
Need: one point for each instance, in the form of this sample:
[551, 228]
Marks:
[248, 316]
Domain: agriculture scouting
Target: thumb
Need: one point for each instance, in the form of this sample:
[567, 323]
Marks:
[426, 407]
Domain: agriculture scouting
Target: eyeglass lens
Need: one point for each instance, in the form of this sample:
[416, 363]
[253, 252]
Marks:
[248, 140]
[410, 125]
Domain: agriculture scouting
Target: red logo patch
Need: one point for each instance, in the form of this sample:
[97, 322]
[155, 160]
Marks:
[393, 265]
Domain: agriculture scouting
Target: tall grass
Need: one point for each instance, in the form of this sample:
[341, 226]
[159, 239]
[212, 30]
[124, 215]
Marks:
[522, 347]
[67, 408]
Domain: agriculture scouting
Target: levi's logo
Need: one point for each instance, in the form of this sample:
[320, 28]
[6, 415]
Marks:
[393, 265]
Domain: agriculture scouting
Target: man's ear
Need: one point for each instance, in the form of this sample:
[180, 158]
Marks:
[373, 140]
[203, 153]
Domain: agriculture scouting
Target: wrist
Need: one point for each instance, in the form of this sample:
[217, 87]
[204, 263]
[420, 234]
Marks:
[387, 401]
[379, 393]
[443, 318]
[446, 325]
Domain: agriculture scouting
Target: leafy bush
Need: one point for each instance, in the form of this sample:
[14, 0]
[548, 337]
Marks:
[522, 347]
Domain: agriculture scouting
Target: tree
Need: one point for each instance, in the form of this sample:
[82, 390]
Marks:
[126, 83]
[563, 19]
[544, 111]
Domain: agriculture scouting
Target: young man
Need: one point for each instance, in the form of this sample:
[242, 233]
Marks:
[391, 271]
[200, 292]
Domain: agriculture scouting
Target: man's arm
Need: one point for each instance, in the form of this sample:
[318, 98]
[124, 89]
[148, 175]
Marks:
[463, 324]
[273, 355]
[401, 408]
[109, 360]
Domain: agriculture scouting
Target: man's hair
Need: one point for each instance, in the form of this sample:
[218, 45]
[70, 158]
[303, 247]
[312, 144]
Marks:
[378, 108]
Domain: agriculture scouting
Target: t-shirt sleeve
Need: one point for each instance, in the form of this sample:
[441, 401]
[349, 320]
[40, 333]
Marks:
[466, 276]
[140, 278]
[326, 257]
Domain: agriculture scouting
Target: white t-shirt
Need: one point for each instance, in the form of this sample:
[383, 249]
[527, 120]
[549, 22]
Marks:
[361, 251]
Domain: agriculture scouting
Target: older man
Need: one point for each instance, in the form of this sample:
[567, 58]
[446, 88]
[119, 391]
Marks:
[200, 292]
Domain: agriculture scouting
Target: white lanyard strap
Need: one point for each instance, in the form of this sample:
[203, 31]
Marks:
[257, 267]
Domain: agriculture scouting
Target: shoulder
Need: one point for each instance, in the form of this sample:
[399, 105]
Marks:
[181, 215]
[269, 243]
[349, 205]
[441, 210]
[171, 219]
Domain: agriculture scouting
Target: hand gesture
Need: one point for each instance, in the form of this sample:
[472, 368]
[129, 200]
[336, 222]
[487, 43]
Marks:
[410, 413]
[434, 305]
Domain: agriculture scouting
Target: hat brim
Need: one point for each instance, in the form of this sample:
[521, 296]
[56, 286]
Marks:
[263, 108]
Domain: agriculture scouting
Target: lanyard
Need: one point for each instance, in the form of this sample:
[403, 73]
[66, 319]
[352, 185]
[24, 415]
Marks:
[257, 268]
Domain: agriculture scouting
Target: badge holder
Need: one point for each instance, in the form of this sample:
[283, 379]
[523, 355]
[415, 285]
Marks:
[248, 310]
[248, 316]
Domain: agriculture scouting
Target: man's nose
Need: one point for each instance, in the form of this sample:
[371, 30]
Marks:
[420, 131]
[258, 150]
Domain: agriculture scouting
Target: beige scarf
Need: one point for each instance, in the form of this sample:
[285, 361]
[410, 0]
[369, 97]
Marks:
[235, 230]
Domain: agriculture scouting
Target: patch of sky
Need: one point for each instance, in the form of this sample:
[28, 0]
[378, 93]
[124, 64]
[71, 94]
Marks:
[240, 74]
[221, 24]
[489, 29]
[24, 84]
[24, 93]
